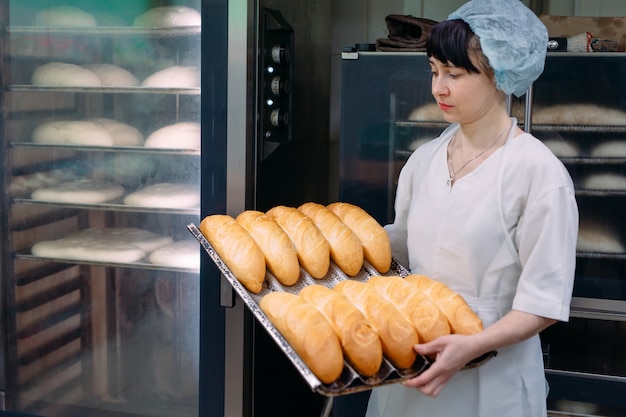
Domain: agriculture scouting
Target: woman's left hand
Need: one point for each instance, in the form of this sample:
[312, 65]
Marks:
[451, 353]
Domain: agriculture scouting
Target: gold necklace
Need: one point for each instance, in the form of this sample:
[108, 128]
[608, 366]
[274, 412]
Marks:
[452, 172]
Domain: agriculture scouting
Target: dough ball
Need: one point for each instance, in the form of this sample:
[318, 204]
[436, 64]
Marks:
[121, 133]
[427, 113]
[66, 132]
[607, 181]
[562, 148]
[597, 238]
[578, 114]
[168, 16]
[418, 142]
[144, 239]
[112, 75]
[181, 254]
[80, 192]
[165, 195]
[61, 74]
[65, 16]
[88, 250]
[183, 135]
[174, 77]
[610, 149]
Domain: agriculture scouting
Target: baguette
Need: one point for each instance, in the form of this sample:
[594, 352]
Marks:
[307, 331]
[462, 319]
[312, 248]
[237, 249]
[346, 249]
[397, 335]
[414, 305]
[373, 237]
[360, 343]
[280, 255]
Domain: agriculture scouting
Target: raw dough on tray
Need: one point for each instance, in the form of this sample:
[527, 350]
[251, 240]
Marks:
[65, 16]
[606, 181]
[81, 192]
[597, 238]
[168, 16]
[181, 254]
[103, 245]
[61, 74]
[165, 195]
[174, 77]
[88, 250]
[121, 133]
[610, 149]
[562, 148]
[95, 132]
[427, 113]
[183, 135]
[579, 114]
[72, 132]
[112, 75]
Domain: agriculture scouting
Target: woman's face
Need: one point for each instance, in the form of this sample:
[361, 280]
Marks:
[463, 96]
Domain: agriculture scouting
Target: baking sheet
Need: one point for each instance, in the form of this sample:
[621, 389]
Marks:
[349, 381]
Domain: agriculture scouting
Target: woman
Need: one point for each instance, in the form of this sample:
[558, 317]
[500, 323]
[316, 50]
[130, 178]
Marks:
[490, 211]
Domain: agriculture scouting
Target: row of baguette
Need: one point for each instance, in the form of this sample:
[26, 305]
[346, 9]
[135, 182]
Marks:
[361, 322]
[285, 238]
[358, 322]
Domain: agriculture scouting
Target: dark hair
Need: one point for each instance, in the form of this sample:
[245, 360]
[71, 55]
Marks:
[454, 42]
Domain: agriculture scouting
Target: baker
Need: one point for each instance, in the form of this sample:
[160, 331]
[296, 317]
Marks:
[490, 211]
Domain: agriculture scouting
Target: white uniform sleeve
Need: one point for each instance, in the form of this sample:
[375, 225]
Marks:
[546, 239]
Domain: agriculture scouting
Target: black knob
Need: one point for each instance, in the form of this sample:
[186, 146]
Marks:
[280, 54]
[279, 118]
[280, 86]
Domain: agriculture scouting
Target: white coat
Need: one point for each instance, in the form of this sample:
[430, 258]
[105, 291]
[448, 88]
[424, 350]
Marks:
[504, 237]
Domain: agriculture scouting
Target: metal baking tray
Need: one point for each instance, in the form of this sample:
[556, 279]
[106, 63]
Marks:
[349, 381]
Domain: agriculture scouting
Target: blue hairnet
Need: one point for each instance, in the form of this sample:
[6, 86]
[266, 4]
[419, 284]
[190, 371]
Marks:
[513, 39]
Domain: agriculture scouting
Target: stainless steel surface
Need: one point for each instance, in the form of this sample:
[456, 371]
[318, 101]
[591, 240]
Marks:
[595, 308]
[26, 255]
[114, 205]
[241, 36]
[109, 30]
[140, 149]
[116, 90]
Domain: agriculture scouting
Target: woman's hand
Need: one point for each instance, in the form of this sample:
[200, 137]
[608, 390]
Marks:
[451, 353]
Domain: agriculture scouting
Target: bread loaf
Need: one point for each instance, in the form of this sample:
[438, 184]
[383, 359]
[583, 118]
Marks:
[462, 319]
[236, 248]
[312, 248]
[280, 255]
[346, 249]
[376, 244]
[307, 331]
[397, 335]
[359, 341]
[414, 305]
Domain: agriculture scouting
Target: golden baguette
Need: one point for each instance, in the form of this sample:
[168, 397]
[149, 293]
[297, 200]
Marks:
[236, 248]
[414, 305]
[462, 319]
[312, 248]
[359, 341]
[346, 249]
[280, 255]
[397, 335]
[307, 331]
[373, 237]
